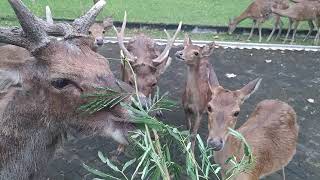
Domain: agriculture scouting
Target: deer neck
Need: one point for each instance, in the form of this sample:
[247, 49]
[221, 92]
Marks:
[193, 75]
[240, 18]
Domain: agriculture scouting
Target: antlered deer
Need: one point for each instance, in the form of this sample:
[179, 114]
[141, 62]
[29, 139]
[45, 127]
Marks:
[43, 95]
[146, 59]
[260, 11]
[197, 93]
[271, 130]
[96, 30]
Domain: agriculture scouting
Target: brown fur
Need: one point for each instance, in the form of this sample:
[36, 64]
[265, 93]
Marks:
[303, 11]
[196, 93]
[40, 97]
[271, 131]
[147, 72]
[260, 11]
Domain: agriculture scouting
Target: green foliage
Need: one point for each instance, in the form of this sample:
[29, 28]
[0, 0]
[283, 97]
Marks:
[154, 143]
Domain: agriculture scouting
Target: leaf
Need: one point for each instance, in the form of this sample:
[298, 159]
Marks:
[127, 164]
[145, 170]
[201, 144]
[112, 166]
[98, 173]
[101, 156]
[216, 171]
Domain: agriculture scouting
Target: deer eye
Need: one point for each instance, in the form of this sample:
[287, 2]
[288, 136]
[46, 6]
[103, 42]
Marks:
[209, 108]
[196, 53]
[89, 32]
[236, 114]
[103, 32]
[154, 84]
[60, 83]
[130, 83]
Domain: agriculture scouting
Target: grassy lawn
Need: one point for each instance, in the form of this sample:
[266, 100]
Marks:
[202, 12]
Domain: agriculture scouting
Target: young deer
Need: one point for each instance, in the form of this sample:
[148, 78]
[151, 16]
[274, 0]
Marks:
[260, 11]
[301, 11]
[197, 92]
[271, 130]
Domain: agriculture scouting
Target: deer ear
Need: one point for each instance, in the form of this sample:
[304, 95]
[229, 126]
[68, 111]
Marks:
[249, 89]
[108, 22]
[212, 79]
[187, 40]
[9, 78]
[207, 50]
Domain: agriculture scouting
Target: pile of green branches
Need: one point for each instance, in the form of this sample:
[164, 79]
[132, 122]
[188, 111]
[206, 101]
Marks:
[154, 143]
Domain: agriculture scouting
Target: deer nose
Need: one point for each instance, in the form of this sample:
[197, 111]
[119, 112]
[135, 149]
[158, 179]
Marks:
[179, 54]
[215, 143]
[99, 41]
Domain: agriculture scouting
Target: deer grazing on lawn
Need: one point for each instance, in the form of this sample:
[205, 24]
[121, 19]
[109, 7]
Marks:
[260, 11]
[42, 96]
[197, 93]
[271, 130]
[302, 11]
[146, 60]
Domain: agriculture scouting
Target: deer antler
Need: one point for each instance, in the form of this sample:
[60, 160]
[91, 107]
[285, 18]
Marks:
[120, 36]
[165, 52]
[30, 24]
[35, 31]
[48, 15]
[83, 24]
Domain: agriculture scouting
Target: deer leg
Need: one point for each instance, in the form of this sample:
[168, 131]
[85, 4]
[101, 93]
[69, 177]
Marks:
[188, 119]
[316, 39]
[254, 22]
[311, 26]
[289, 29]
[280, 25]
[260, 28]
[275, 25]
[195, 130]
[296, 24]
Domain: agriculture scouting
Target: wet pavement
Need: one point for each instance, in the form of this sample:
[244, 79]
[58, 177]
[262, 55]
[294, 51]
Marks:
[291, 76]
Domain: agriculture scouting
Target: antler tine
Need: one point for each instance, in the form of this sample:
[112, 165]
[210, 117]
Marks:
[120, 37]
[165, 52]
[30, 24]
[13, 36]
[48, 15]
[83, 24]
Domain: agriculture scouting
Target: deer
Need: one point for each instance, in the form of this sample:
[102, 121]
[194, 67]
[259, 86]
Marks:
[196, 92]
[260, 11]
[145, 58]
[97, 30]
[302, 11]
[41, 98]
[271, 130]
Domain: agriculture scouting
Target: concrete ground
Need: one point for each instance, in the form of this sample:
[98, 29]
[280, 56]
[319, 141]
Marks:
[291, 76]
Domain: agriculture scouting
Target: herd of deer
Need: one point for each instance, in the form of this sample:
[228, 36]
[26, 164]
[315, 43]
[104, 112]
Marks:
[42, 80]
[261, 10]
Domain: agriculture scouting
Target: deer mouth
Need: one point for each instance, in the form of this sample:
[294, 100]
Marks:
[179, 56]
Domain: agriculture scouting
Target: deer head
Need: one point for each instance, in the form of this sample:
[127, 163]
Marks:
[97, 30]
[147, 61]
[232, 25]
[48, 87]
[192, 54]
[223, 110]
